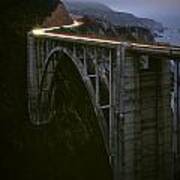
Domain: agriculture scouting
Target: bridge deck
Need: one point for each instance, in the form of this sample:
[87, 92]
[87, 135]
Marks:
[165, 50]
[135, 118]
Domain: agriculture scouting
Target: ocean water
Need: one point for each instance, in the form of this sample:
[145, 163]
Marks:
[170, 35]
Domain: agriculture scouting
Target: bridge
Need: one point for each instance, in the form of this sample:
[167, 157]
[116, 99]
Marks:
[129, 85]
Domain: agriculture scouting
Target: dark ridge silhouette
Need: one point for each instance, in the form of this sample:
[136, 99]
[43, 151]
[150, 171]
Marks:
[54, 151]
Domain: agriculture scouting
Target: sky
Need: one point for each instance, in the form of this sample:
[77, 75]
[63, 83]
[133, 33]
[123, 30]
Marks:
[165, 11]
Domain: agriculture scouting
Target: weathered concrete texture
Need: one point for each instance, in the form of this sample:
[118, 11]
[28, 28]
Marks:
[147, 120]
[140, 116]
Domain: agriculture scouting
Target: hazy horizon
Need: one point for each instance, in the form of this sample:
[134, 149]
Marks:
[164, 11]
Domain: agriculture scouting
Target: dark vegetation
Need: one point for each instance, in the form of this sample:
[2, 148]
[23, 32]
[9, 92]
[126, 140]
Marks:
[70, 147]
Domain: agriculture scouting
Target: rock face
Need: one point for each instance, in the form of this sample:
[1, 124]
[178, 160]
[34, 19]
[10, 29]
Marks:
[58, 17]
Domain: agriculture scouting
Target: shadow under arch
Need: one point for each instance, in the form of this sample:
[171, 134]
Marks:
[71, 146]
[75, 112]
[60, 54]
[65, 60]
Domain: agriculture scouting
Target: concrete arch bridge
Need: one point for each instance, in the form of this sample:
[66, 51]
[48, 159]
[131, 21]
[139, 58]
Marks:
[129, 85]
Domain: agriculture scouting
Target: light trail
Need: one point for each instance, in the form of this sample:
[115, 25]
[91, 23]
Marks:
[72, 37]
[41, 31]
[75, 24]
[133, 46]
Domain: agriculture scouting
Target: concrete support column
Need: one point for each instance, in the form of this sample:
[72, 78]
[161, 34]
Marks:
[176, 110]
[47, 48]
[118, 117]
[74, 50]
[85, 60]
[97, 78]
[32, 80]
[111, 113]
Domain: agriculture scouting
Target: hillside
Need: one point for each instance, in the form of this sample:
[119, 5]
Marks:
[93, 27]
[122, 19]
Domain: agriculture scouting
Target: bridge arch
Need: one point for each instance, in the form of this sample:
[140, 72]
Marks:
[46, 94]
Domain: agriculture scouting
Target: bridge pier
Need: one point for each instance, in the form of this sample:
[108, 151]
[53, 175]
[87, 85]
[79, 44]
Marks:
[176, 122]
[32, 79]
[117, 146]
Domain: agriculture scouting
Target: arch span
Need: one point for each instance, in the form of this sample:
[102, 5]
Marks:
[55, 62]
